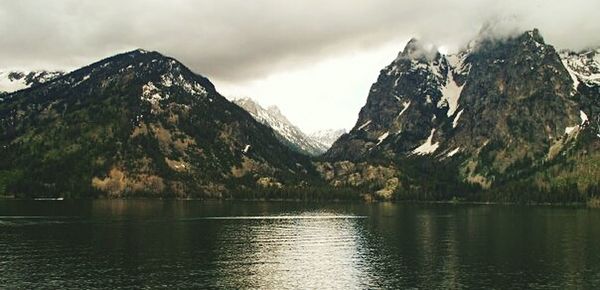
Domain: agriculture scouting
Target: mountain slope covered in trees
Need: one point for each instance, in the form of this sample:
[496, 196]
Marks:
[138, 124]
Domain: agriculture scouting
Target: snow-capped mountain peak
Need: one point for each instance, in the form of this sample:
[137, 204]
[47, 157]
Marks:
[501, 105]
[14, 80]
[327, 136]
[583, 66]
[287, 132]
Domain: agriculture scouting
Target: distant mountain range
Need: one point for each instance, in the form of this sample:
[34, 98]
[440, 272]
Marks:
[327, 137]
[583, 66]
[314, 144]
[14, 80]
[501, 120]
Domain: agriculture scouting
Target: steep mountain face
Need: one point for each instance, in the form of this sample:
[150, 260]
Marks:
[403, 102]
[287, 133]
[584, 70]
[11, 81]
[137, 123]
[498, 111]
[583, 66]
[327, 136]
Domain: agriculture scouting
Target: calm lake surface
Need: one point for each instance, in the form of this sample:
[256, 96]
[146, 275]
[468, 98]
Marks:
[280, 245]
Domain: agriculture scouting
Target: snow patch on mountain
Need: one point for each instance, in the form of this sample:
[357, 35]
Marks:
[455, 121]
[583, 116]
[382, 137]
[450, 93]
[572, 74]
[151, 93]
[570, 130]
[405, 105]
[458, 62]
[428, 147]
[364, 125]
[453, 152]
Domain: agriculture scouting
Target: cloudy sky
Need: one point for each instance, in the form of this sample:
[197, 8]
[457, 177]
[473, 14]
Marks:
[315, 59]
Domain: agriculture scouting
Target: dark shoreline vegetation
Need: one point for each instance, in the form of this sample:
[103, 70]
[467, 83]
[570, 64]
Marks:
[594, 203]
[520, 194]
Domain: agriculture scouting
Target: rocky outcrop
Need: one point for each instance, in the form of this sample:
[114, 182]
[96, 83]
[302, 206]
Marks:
[374, 180]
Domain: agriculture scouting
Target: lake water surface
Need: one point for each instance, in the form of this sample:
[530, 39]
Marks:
[281, 245]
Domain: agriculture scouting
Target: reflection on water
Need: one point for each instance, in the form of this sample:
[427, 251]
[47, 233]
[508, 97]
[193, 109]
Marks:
[306, 251]
[125, 244]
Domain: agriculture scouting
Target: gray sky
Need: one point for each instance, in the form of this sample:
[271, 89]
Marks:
[314, 59]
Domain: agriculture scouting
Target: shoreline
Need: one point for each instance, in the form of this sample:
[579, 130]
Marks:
[358, 201]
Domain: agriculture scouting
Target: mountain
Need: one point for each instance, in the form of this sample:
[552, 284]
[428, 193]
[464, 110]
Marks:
[498, 115]
[505, 119]
[583, 66]
[286, 131]
[138, 124]
[584, 70]
[14, 80]
[327, 136]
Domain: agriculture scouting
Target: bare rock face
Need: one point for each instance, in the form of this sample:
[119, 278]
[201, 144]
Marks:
[269, 182]
[378, 180]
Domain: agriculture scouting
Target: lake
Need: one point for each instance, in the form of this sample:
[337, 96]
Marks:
[287, 245]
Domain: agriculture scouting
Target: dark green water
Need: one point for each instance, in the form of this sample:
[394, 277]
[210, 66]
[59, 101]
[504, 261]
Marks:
[279, 245]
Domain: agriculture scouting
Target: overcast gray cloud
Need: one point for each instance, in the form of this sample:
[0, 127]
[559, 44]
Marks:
[244, 39]
[275, 50]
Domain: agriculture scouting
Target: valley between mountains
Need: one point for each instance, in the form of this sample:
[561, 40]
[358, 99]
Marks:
[509, 120]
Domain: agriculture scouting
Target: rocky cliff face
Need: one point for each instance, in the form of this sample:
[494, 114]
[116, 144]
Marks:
[584, 70]
[404, 102]
[500, 110]
[138, 123]
[583, 66]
